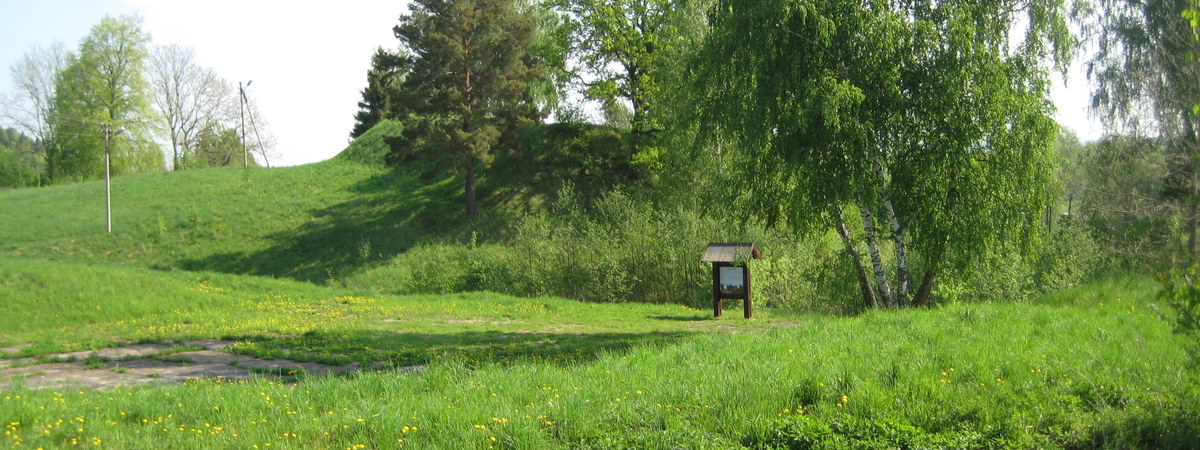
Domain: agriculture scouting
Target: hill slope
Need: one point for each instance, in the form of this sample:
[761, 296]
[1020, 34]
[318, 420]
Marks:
[312, 222]
[307, 222]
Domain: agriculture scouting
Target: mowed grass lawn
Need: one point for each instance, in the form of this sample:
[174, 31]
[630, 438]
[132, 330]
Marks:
[1095, 367]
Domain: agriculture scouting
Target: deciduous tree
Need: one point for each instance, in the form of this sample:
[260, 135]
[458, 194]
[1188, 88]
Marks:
[626, 47]
[188, 98]
[920, 115]
[104, 87]
[1147, 82]
[34, 78]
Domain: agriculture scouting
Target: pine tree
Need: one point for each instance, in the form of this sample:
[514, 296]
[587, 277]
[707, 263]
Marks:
[469, 84]
[383, 83]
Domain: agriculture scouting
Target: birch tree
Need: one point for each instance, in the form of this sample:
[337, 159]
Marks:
[1147, 82]
[919, 115]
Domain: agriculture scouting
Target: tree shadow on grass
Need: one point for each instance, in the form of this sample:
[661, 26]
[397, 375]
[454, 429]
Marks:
[681, 318]
[387, 214]
[397, 349]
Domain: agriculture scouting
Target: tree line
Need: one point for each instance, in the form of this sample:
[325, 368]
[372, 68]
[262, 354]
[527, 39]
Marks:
[69, 102]
[920, 128]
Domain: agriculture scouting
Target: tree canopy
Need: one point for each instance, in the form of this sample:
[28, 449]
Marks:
[917, 113]
[104, 87]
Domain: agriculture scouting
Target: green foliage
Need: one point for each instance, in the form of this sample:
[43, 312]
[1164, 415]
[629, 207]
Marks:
[383, 83]
[1067, 257]
[14, 169]
[216, 146]
[1181, 291]
[468, 91]
[617, 248]
[631, 36]
[19, 159]
[592, 159]
[103, 87]
[839, 103]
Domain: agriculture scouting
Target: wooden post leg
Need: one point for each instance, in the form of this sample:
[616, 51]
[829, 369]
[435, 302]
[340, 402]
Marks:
[748, 312]
[717, 306]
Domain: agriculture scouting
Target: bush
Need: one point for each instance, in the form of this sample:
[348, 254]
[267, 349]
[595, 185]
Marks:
[623, 249]
[1068, 257]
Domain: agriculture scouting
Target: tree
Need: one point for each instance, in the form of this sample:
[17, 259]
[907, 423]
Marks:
[216, 146]
[103, 88]
[1148, 82]
[469, 82]
[188, 98]
[625, 46]
[15, 170]
[383, 83]
[918, 115]
[34, 77]
[25, 157]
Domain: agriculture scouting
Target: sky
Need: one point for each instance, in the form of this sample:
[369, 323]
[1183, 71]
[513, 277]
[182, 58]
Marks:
[307, 63]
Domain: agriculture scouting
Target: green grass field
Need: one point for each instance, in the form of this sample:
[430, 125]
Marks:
[256, 256]
[61, 307]
[1093, 369]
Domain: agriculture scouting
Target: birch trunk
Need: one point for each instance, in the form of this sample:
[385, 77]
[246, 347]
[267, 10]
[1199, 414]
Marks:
[863, 282]
[885, 288]
[897, 237]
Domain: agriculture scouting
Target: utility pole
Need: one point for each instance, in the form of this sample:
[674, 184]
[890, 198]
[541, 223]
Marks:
[242, 112]
[108, 178]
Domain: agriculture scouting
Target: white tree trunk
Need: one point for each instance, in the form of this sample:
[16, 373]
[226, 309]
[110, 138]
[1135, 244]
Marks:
[863, 283]
[897, 237]
[885, 288]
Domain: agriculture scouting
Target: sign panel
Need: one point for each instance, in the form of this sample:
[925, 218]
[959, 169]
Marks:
[733, 281]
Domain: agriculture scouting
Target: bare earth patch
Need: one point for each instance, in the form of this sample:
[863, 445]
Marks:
[209, 363]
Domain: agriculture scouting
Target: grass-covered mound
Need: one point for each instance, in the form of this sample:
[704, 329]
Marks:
[1093, 369]
[309, 222]
[316, 222]
[371, 147]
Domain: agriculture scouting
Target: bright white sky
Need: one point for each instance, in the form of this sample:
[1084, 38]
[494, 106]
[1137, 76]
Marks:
[307, 62]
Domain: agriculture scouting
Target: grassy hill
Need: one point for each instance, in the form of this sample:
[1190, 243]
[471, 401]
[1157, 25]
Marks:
[307, 222]
[312, 223]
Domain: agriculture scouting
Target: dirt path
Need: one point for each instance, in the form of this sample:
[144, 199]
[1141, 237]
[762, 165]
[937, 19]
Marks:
[210, 363]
